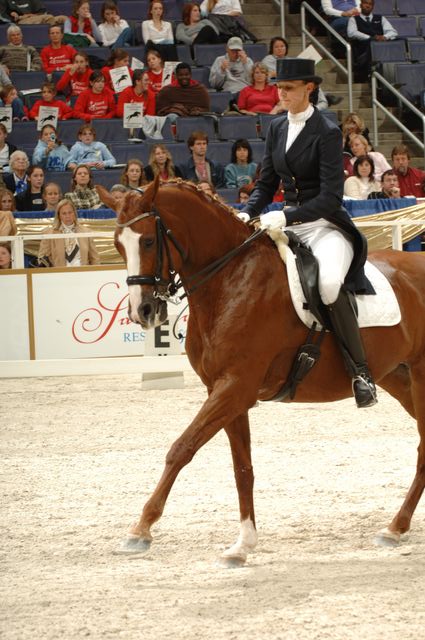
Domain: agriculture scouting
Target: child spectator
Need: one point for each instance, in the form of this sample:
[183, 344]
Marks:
[56, 56]
[115, 31]
[32, 198]
[81, 22]
[95, 102]
[48, 93]
[76, 78]
[161, 163]
[67, 252]
[155, 65]
[16, 180]
[7, 207]
[133, 176]
[89, 152]
[139, 92]
[52, 194]
[118, 58]
[5, 256]
[83, 194]
[6, 148]
[155, 30]
[50, 153]
[9, 98]
[244, 192]
[241, 169]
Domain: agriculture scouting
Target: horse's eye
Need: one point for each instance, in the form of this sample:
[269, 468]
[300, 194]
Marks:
[148, 242]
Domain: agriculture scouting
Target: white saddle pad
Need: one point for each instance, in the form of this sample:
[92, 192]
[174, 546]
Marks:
[381, 310]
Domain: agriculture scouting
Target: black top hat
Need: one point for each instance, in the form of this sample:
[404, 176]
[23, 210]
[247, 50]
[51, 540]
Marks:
[296, 69]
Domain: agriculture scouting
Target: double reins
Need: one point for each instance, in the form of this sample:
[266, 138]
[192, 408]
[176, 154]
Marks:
[171, 286]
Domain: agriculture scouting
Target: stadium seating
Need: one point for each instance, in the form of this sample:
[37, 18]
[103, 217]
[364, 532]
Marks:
[406, 27]
[185, 126]
[388, 51]
[384, 7]
[417, 50]
[246, 127]
[411, 79]
[410, 7]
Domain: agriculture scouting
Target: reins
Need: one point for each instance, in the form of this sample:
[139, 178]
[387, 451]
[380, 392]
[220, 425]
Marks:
[164, 236]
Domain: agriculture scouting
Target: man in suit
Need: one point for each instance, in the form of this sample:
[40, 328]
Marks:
[304, 150]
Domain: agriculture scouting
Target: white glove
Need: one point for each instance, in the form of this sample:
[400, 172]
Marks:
[243, 216]
[273, 220]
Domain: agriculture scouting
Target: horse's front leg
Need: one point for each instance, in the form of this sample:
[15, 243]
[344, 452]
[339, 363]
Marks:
[227, 400]
[240, 444]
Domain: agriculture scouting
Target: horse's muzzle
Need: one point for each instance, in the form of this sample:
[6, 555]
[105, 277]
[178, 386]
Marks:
[151, 312]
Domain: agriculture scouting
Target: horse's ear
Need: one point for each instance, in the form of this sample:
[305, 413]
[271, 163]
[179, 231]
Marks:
[106, 197]
[151, 191]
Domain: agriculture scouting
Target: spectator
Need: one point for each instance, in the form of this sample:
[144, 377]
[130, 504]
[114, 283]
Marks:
[69, 252]
[6, 148]
[5, 256]
[32, 198]
[339, 12]
[26, 12]
[83, 194]
[48, 93]
[118, 58]
[95, 102]
[50, 154]
[362, 183]
[411, 180]
[389, 187]
[161, 162]
[81, 23]
[221, 7]
[89, 152]
[155, 64]
[199, 167]
[241, 169]
[353, 123]
[194, 29]
[57, 56]
[207, 187]
[260, 96]
[17, 56]
[16, 180]
[140, 92]
[118, 192]
[4, 77]
[52, 194]
[155, 30]
[115, 31]
[231, 72]
[244, 192]
[184, 97]
[360, 147]
[9, 98]
[361, 30]
[76, 78]
[7, 207]
[133, 176]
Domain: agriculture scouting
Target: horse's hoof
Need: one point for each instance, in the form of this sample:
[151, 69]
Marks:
[133, 545]
[387, 538]
[232, 561]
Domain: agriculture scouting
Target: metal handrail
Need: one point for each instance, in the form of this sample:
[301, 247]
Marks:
[377, 77]
[281, 5]
[348, 70]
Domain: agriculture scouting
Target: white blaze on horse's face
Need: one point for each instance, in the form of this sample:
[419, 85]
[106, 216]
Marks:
[130, 241]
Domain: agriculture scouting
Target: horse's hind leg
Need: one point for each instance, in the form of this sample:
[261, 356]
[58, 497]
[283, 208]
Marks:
[240, 444]
[401, 522]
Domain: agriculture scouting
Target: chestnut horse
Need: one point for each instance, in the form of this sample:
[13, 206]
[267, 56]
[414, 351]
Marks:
[243, 334]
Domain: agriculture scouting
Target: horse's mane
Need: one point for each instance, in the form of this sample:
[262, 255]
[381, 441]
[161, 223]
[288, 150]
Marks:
[214, 199]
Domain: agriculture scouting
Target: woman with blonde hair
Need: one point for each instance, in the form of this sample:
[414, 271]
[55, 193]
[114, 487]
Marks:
[351, 124]
[66, 251]
[133, 176]
[7, 207]
[260, 96]
[359, 146]
[161, 162]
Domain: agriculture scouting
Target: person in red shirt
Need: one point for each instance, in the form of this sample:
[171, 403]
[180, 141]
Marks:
[260, 96]
[57, 56]
[48, 93]
[76, 78]
[410, 180]
[155, 65]
[139, 92]
[95, 102]
[118, 58]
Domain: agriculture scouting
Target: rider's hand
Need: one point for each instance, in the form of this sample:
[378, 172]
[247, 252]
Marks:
[273, 220]
[243, 216]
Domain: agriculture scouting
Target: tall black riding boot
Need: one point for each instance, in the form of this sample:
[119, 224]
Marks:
[346, 328]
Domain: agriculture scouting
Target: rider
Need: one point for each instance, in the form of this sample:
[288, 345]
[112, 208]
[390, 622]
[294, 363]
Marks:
[304, 150]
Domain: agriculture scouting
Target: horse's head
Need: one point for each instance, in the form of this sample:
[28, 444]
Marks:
[151, 253]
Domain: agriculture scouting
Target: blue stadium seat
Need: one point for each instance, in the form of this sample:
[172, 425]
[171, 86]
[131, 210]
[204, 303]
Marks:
[417, 50]
[205, 54]
[110, 130]
[125, 151]
[184, 53]
[331, 115]
[422, 26]
[220, 151]
[411, 79]
[220, 100]
[25, 80]
[257, 150]
[231, 127]
[185, 126]
[265, 119]
[23, 133]
[388, 51]
[384, 7]
[230, 196]
[202, 75]
[179, 152]
[256, 51]
[406, 27]
[410, 7]
[68, 130]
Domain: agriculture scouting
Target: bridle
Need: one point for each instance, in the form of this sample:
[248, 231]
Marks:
[166, 290]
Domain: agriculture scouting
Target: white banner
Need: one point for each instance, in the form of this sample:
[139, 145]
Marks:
[6, 118]
[14, 327]
[120, 78]
[133, 115]
[47, 115]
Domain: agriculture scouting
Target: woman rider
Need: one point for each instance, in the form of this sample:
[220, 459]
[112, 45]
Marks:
[304, 150]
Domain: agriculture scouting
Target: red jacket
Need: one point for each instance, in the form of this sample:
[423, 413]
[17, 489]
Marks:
[413, 183]
[128, 95]
[56, 59]
[91, 105]
[107, 76]
[65, 112]
[77, 82]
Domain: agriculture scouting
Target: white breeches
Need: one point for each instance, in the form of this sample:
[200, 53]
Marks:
[334, 253]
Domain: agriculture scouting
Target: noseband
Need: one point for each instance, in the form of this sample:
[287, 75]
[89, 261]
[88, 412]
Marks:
[165, 290]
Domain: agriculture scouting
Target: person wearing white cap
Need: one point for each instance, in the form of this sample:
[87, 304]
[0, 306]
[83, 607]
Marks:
[231, 72]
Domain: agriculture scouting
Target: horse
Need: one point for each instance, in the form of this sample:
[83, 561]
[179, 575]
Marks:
[243, 334]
